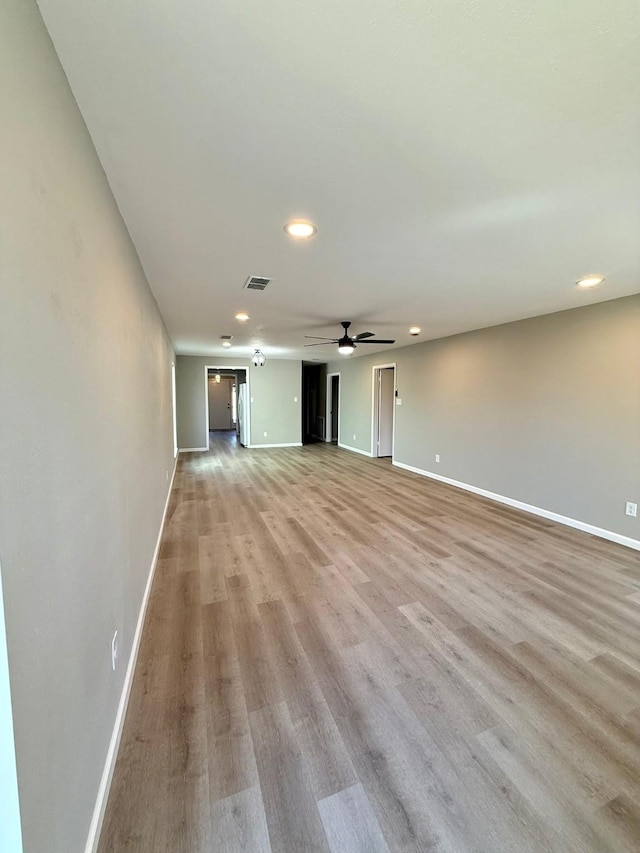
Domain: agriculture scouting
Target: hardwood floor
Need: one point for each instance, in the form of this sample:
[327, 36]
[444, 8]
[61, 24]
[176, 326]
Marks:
[342, 656]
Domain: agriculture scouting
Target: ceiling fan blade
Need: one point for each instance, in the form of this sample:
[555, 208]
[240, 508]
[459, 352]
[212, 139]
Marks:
[376, 342]
[363, 335]
[320, 338]
[321, 344]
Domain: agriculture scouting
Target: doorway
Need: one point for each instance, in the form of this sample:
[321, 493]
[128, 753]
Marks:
[333, 408]
[313, 402]
[174, 409]
[384, 409]
[227, 409]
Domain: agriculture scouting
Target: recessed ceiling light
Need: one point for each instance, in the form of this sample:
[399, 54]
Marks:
[226, 344]
[589, 281]
[300, 228]
[242, 316]
[415, 330]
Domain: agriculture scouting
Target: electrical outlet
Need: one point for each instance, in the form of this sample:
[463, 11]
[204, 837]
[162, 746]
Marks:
[166, 476]
[264, 434]
[295, 399]
[632, 509]
[114, 651]
[354, 436]
[437, 457]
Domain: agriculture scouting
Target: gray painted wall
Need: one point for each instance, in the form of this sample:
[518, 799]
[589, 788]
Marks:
[191, 396]
[545, 411]
[273, 388]
[85, 436]
[276, 389]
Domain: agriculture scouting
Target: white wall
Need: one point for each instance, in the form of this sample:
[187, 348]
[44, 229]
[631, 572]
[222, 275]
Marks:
[85, 436]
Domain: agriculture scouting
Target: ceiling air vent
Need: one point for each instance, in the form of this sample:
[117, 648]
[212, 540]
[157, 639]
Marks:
[257, 282]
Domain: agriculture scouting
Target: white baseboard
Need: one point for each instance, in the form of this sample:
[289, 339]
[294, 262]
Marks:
[112, 753]
[627, 541]
[286, 444]
[355, 449]
[192, 449]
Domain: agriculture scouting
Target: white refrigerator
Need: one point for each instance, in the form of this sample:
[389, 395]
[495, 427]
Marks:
[243, 413]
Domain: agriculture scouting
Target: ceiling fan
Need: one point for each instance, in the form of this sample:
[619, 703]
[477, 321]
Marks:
[347, 344]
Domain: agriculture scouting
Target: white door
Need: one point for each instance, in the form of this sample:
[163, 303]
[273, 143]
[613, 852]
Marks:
[386, 401]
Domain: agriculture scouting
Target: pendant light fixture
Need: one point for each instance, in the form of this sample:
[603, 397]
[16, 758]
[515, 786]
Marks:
[258, 358]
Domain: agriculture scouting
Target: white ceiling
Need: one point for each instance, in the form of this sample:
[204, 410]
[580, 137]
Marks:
[464, 162]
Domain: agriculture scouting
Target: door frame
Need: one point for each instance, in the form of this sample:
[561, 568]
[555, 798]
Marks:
[174, 409]
[328, 432]
[221, 369]
[374, 402]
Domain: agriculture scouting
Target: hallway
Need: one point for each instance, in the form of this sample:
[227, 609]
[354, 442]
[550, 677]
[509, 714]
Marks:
[342, 656]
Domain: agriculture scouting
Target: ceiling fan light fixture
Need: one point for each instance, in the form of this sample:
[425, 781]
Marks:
[300, 229]
[346, 346]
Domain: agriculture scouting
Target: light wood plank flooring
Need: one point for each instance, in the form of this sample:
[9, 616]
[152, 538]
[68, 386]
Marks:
[341, 656]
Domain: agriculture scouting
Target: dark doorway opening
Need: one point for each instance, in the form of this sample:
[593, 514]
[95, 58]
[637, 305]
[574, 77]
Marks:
[313, 402]
[334, 409]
